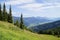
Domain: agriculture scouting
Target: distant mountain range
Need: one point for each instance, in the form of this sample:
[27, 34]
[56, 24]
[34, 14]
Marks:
[33, 20]
[55, 26]
[55, 19]
[36, 24]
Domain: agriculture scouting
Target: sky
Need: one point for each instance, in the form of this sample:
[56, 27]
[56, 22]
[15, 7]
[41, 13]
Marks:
[34, 8]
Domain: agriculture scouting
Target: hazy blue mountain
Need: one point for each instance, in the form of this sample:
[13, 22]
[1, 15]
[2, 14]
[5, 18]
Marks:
[33, 20]
[45, 26]
[56, 19]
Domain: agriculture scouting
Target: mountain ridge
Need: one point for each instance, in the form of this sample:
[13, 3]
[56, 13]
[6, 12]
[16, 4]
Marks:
[32, 20]
[45, 26]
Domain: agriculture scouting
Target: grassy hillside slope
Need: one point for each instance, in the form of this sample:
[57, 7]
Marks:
[10, 32]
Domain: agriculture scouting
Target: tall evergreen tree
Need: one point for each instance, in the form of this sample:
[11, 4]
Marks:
[21, 22]
[10, 15]
[0, 13]
[4, 13]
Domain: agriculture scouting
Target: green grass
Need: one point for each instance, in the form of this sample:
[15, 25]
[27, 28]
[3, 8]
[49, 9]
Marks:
[10, 32]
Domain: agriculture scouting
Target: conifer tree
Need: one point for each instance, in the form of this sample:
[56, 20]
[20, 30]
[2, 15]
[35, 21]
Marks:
[21, 22]
[10, 15]
[0, 13]
[4, 13]
[16, 23]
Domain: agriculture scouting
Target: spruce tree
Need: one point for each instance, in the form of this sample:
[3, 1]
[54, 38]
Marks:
[16, 23]
[4, 13]
[0, 13]
[10, 15]
[21, 22]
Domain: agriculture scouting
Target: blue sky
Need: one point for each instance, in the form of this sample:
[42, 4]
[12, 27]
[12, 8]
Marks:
[34, 8]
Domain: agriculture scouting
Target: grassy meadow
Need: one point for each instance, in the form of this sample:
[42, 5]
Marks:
[10, 32]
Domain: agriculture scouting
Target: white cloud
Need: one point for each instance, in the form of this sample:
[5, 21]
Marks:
[33, 6]
[38, 6]
[52, 1]
[16, 2]
[50, 10]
